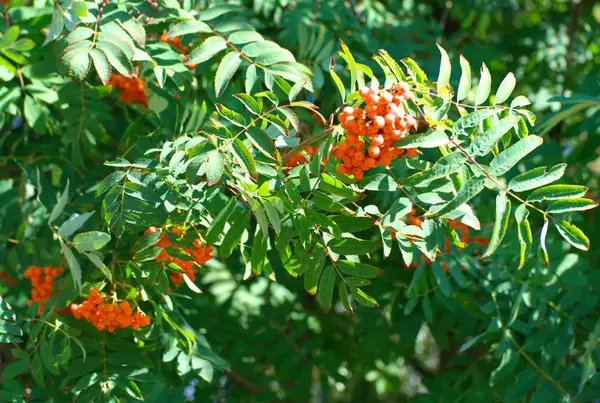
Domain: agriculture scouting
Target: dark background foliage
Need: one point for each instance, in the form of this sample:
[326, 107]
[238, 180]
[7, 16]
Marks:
[278, 342]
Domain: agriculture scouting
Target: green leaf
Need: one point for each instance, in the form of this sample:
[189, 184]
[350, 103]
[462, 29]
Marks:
[148, 254]
[430, 235]
[514, 313]
[46, 353]
[379, 183]
[325, 290]
[316, 261]
[353, 246]
[77, 62]
[37, 370]
[470, 189]
[234, 235]
[232, 116]
[343, 294]
[130, 387]
[414, 70]
[393, 65]
[291, 117]
[524, 232]
[520, 101]
[543, 234]
[227, 68]
[464, 86]
[15, 369]
[569, 205]
[425, 140]
[117, 57]
[75, 222]
[441, 278]
[218, 224]
[397, 211]
[261, 141]
[215, 167]
[505, 89]
[295, 90]
[79, 8]
[470, 343]
[250, 103]
[9, 37]
[189, 27]
[244, 157]
[136, 30]
[217, 11]
[73, 264]
[60, 206]
[472, 120]
[573, 235]
[445, 166]
[501, 224]
[191, 285]
[273, 215]
[352, 223]
[362, 298]
[357, 282]
[557, 192]
[330, 185]
[251, 78]
[209, 48]
[97, 261]
[483, 143]
[243, 37]
[358, 269]
[109, 182]
[484, 87]
[338, 83]
[23, 45]
[56, 27]
[102, 65]
[445, 70]
[513, 154]
[92, 240]
[537, 177]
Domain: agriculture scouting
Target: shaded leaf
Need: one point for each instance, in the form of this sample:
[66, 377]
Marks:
[501, 224]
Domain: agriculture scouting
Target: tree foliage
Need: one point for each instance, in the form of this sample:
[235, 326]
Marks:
[180, 219]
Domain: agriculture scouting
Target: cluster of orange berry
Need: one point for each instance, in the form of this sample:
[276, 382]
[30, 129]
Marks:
[371, 131]
[464, 235]
[176, 43]
[7, 278]
[108, 316]
[299, 158]
[132, 89]
[199, 253]
[42, 280]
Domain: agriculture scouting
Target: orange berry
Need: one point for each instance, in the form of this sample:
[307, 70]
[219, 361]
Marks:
[377, 140]
[379, 121]
[374, 151]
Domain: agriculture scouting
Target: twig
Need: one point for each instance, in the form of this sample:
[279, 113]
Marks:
[445, 14]
[97, 24]
[490, 177]
[307, 142]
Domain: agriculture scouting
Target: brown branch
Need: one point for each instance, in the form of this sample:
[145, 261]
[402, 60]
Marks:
[307, 142]
[247, 384]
